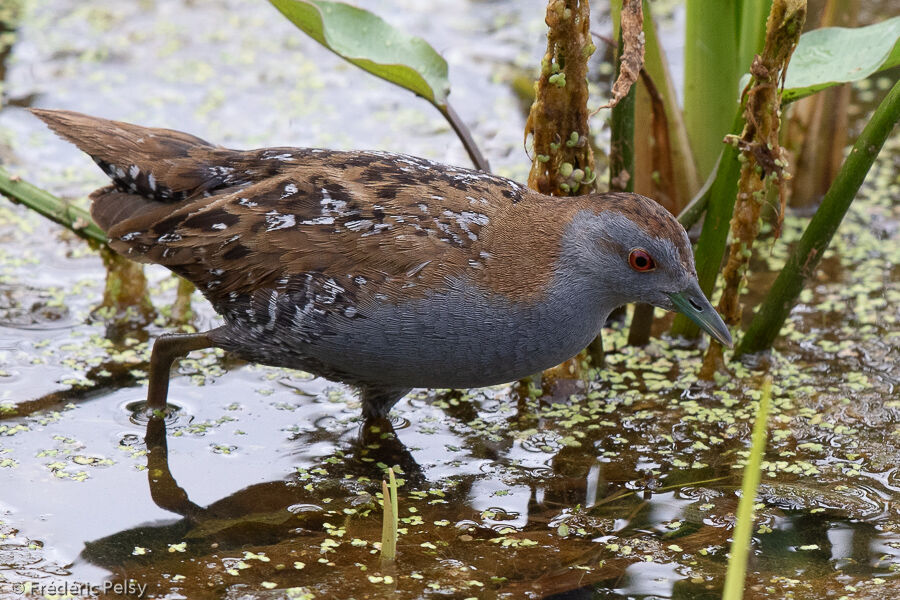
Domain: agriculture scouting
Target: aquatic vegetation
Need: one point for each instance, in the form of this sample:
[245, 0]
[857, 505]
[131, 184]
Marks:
[740, 542]
[390, 518]
[624, 483]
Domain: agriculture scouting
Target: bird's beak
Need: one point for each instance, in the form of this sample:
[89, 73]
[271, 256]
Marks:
[693, 304]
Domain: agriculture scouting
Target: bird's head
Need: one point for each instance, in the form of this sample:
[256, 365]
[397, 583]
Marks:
[640, 253]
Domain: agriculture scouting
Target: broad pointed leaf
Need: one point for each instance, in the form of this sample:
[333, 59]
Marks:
[835, 55]
[370, 43]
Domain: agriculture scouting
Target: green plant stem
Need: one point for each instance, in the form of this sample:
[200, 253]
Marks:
[806, 256]
[711, 246]
[395, 507]
[621, 156]
[621, 173]
[465, 136]
[695, 208]
[75, 219]
[743, 529]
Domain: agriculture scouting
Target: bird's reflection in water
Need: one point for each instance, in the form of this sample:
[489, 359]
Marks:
[376, 444]
[164, 490]
[268, 514]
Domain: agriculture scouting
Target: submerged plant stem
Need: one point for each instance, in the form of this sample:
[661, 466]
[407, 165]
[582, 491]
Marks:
[126, 298]
[181, 308]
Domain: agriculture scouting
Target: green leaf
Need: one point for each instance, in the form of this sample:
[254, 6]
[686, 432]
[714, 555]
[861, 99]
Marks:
[835, 55]
[370, 43]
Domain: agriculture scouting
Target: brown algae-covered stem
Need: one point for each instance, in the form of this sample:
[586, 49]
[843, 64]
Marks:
[762, 159]
[563, 162]
[126, 298]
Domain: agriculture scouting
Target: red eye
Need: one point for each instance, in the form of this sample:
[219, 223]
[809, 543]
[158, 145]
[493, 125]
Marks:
[640, 260]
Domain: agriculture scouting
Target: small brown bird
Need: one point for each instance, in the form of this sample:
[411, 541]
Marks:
[384, 271]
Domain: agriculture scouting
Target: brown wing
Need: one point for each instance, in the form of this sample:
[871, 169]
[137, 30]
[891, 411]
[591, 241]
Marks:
[235, 222]
[349, 215]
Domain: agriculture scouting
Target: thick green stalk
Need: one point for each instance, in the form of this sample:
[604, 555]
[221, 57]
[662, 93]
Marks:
[711, 246]
[711, 76]
[743, 528]
[806, 256]
[753, 31]
[74, 219]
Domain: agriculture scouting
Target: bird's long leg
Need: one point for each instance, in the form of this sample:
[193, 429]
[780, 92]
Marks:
[166, 349]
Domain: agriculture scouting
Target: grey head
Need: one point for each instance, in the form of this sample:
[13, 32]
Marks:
[633, 250]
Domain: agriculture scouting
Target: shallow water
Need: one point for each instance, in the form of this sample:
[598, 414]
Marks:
[621, 487]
